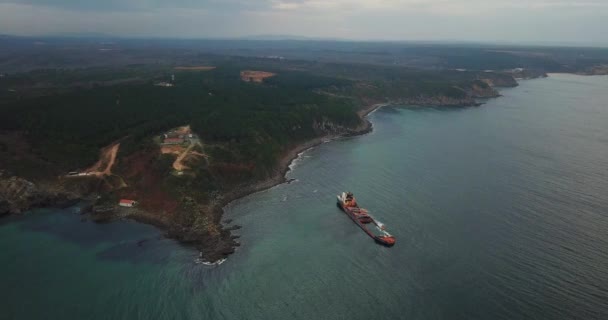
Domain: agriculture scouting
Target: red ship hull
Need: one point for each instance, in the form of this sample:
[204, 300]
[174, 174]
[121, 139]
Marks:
[363, 220]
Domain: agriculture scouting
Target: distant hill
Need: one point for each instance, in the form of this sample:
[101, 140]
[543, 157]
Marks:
[279, 37]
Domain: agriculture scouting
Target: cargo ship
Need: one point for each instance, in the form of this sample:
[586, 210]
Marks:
[348, 204]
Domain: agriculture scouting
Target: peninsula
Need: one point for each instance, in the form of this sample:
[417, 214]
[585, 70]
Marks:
[171, 143]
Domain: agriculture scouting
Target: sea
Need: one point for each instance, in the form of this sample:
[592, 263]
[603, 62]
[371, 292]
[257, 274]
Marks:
[500, 212]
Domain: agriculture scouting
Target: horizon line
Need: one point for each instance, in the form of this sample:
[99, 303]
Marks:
[300, 38]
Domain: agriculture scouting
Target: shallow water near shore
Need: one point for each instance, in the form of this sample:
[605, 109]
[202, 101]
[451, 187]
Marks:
[500, 212]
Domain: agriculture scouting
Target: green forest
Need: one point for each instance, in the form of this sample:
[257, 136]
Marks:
[256, 120]
[67, 115]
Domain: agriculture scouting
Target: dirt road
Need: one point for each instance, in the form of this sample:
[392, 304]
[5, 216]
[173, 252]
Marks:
[112, 155]
[103, 167]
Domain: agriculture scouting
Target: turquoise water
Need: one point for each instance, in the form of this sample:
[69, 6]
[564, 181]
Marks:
[500, 212]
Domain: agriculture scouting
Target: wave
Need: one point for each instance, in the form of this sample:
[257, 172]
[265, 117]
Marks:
[200, 260]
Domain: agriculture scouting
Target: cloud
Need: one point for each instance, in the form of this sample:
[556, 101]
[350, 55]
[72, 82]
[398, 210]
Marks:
[145, 5]
[236, 6]
[335, 7]
[485, 20]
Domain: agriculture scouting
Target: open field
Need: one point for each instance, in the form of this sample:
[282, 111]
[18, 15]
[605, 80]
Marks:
[172, 149]
[255, 76]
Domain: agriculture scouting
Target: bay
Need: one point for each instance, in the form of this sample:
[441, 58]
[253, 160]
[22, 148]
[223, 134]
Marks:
[500, 212]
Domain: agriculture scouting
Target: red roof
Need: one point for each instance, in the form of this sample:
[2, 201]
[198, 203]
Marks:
[127, 201]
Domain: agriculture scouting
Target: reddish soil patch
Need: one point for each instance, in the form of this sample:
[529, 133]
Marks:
[137, 164]
[172, 149]
[255, 76]
[183, 130]
[147, 184]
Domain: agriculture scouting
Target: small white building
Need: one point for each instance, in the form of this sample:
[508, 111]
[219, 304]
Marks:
[127, 203]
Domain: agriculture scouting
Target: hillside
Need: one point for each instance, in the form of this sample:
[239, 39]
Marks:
[101, 133]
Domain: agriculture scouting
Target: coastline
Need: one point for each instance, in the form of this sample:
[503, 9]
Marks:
[215, 247]
[280, 175]
[219, 244]
[219, 247]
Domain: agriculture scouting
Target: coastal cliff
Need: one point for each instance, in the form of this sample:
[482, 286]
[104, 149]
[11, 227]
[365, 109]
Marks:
[223, 242]
[18, 195]
[184, 166]
[185, 218]
[460, 96]
[499, 79]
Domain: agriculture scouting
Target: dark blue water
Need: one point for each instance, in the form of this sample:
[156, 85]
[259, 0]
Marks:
[500, 212]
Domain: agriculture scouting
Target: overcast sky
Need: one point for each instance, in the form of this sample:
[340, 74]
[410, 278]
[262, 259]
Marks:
[584, 21]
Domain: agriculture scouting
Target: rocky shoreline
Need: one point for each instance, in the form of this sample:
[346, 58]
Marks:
[366, 127]
[217, 248]
[280, 175]
[292, 154]
[18, 195]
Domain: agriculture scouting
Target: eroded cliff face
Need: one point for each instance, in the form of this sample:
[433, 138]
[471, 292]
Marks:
[326, 127]
[495, 79]
[469, 98]
[439, 101]
[481, 89]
